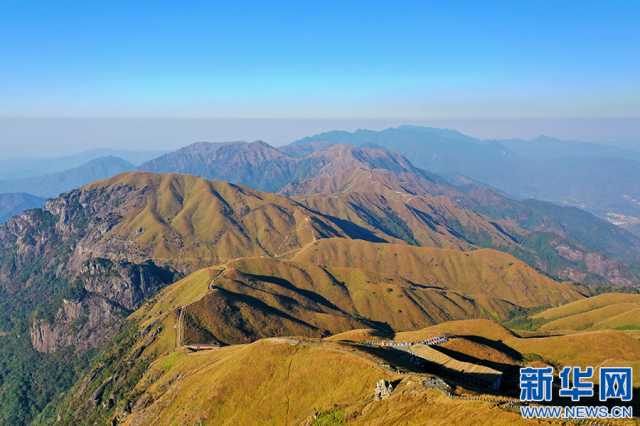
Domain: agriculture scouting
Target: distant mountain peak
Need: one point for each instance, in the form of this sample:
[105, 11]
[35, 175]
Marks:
[52, 184]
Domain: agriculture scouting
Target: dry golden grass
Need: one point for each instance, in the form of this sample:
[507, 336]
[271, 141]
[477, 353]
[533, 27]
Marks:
[312, 288]
[273, 381]
[634, 333]
[450, 363]
[287, 381]
[474, 327]
[410, 404]
[584, 348]
[184, 292]
[593, 348]
[487, 275]
[200, 223]
[589, 304]
[610, 310]
[480, 351]
[611, 316]
[314, 294]
[398, 206]
[358, 335]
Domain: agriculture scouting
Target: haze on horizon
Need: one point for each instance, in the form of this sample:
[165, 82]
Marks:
[168, 75]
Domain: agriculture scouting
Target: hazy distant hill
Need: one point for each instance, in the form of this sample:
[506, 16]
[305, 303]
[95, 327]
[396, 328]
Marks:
[264, 167]
[12, 204]
[440, 151]
[256, 164]
[18, 168]
[602, 179]
[543, 147]
[51, 185]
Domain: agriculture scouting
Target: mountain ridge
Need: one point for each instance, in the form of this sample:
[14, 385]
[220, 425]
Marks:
[51, 185]
[344, 251]
[523, 168]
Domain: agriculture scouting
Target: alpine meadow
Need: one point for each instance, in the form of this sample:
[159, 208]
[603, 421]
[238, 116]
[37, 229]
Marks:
[336, 213]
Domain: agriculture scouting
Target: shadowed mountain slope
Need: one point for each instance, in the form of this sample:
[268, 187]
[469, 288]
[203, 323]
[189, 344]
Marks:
[385, 194]
[117, 240]
[601, 179]
[421, 209]
[336, 285]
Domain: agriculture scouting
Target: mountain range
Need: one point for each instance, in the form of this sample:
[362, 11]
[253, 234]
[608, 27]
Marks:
[51, 185]
[601, 179]
[218, 245]
[19, 168]
[384, 192]
[38, 179]
[598, 178]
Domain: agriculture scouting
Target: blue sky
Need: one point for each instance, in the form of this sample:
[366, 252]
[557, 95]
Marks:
[320, 59]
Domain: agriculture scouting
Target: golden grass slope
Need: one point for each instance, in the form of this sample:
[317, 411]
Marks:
[293, 381]
[591, 348]
[191, 221]
[490, 276]
[396, 215]
[605, 311]
[389, 287]
[298, 381]
[267, 382]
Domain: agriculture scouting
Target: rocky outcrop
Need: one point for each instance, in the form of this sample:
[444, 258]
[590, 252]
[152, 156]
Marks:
[594, 264]
[383, 390]
[125, 283]
[107, 291]
[80, 324]
[111, 245]
[61, 250]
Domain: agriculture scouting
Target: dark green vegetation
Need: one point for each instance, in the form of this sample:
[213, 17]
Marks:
[113, 372]
[29, 380]
[330, 418]
[49, 321]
